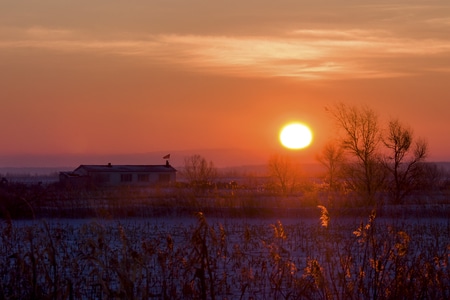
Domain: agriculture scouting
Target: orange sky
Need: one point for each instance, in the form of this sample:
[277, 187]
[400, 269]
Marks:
[111, 77]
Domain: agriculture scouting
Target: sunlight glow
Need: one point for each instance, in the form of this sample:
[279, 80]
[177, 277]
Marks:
[295, 136]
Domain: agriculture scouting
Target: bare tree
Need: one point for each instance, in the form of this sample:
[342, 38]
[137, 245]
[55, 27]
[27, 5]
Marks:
[402, 160]
[198, 171]
[283, 172]
[332, 158]
[360, 139]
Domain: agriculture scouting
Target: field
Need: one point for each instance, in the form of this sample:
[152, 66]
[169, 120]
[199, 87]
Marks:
[197, 257]
[222, 242]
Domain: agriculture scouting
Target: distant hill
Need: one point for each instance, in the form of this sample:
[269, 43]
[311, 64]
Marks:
[33, 171]
[229, 160]
[44, 164]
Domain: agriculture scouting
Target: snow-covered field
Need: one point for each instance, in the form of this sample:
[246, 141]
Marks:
[226, 258]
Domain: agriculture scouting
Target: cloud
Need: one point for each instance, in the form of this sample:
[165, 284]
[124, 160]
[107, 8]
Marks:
[309, 53]
[306, 54]
[38, 32]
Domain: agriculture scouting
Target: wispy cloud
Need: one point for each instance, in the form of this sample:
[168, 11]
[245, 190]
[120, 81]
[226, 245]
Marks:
[39, 32]
[307, 54]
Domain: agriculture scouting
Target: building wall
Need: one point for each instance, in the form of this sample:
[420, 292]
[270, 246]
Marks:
[118, 178]
[138, 179]
[73, 181]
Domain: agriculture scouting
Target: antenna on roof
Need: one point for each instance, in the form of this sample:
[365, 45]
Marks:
[167, 157]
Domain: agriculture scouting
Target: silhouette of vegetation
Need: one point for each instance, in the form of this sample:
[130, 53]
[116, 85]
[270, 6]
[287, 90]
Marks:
[373, 162]
[333, 158]
[200, 173]
[402, 160]
[327, 259]
[360, 138]
[284, 173]
[18, 200]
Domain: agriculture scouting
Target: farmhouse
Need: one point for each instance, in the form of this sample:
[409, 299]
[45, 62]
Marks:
[119, 175]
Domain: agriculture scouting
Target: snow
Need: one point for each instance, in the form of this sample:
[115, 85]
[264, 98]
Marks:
[244, 257]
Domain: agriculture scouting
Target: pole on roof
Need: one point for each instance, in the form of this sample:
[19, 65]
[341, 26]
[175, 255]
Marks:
[167, 157]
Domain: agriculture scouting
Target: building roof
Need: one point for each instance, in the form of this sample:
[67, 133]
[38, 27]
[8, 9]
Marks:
[128, 168]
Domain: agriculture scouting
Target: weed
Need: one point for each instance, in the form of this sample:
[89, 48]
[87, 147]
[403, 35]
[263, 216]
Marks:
[142, 260]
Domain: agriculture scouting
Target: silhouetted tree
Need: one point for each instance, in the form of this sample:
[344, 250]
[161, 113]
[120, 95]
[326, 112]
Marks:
[402, 160]
[198, 171]
[283, 172]
[332, 158]
[360, 139]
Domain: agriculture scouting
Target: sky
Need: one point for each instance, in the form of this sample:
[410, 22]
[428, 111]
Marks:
[134, 77]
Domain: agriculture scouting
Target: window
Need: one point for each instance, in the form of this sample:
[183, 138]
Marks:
[126, 177]
[143, 177]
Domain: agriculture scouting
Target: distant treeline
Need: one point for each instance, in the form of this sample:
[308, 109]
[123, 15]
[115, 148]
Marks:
[247, 199]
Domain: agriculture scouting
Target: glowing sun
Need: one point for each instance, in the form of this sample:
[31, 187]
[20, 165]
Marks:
[295, 136]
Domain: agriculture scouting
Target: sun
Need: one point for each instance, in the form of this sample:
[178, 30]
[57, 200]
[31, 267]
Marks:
[295, 136]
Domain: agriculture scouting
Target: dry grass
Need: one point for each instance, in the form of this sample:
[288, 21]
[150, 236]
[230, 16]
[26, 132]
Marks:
[141, 260]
